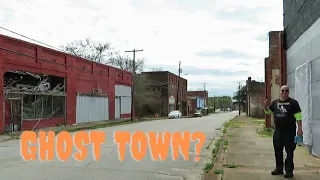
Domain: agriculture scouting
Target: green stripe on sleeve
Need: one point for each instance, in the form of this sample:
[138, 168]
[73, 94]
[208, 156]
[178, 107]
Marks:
[268, 111]
[298, 116]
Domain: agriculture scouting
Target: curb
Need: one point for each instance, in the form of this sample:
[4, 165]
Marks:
[219, 177]
[74, 128]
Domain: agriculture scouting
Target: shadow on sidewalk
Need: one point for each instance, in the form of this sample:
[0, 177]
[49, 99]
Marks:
[248, 155]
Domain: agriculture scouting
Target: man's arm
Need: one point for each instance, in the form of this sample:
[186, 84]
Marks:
[269, 109]
[297, 114]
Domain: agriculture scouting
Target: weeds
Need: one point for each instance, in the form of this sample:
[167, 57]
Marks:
[233, 124]
[258, 121]
[231, 165]
[218, 171]
[266, 132]
[208, 167]
[224, 130]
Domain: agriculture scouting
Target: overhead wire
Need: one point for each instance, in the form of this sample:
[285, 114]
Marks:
[63, 64]
[58, 49]
[30, 38]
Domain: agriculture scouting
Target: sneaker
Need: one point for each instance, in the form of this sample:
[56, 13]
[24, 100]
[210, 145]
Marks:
[276, 172]
[288, 175]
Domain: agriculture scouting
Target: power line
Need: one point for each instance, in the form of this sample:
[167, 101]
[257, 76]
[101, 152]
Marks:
[30, 38]
[53, 62]
[239, 98]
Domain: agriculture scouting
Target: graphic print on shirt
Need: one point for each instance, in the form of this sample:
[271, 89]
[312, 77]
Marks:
[282, 108]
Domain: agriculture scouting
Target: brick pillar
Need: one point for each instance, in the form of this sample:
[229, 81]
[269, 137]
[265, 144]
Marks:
[275, 69]
[268, 77]
[2, 98]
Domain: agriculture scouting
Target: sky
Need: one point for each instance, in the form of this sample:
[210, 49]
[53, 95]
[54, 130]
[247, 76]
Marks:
[219, 42]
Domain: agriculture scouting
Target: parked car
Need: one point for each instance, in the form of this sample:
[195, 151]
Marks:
[174, 114]
[198, 113]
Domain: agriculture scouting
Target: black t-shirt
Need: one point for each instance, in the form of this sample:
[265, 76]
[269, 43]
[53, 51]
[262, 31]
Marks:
[283, 112]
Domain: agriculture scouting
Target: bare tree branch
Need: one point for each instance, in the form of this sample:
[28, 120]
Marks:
[146, 93]
[157, 69]
[126, 63]
[90, 49]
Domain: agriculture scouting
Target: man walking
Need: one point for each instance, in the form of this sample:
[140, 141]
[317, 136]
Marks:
[286, 113]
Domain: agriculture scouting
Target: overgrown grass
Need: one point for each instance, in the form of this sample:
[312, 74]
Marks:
[218, 171]
[220, 142]
[233, 124]
[208, 167]
[215, 150]
[266, 132]
[224, 130]
[225, 144]
[258, 121]
[231, 165]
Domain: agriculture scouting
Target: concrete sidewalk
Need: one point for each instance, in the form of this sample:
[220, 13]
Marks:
[251, 156]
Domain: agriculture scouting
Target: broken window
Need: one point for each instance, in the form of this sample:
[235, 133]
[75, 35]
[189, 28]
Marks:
[19, 81]
[43, 95]
[28, 107]
[43, 107]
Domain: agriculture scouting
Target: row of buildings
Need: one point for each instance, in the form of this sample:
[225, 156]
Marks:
[41, 87]
[186, 101]
[294, 60]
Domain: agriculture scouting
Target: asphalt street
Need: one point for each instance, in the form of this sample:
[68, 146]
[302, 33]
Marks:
[109, 167]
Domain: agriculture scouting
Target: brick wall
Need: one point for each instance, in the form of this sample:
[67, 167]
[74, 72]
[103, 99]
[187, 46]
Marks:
[201, 94]
[169, 82]
[255, 92]
[298, 16]
[275, 69]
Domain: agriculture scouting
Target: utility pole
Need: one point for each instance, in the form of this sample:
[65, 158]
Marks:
[178, 89]
[239, 100]
[204, 97]
[134, 73]
[214, 103]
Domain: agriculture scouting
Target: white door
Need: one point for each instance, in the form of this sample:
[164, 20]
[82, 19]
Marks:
[91, 109]
[117, 108]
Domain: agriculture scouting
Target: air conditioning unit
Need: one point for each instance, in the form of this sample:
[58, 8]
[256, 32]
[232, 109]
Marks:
[97, 91]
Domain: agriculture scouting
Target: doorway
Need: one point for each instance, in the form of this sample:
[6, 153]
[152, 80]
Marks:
[13, 115]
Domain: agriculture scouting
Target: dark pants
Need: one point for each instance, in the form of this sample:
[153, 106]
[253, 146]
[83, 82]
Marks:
[284, 140]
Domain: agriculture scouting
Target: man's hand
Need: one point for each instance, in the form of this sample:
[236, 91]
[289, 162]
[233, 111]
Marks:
[265, 103]
[299, 132]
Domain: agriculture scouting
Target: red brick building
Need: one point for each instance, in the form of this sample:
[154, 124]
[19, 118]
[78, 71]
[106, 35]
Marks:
[255, 91]
[41, 87]
[194, 97]
[169, 83]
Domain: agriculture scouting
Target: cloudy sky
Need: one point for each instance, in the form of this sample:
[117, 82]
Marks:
[219, 42]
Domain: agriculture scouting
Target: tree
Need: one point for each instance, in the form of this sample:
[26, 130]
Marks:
[126, 63]
[220, 102]
[90, 49]
[147, 95]
[241, 95]
[102, 52]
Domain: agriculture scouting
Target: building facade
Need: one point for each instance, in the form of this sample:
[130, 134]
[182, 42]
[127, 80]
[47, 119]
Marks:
[255, 93]
[42, 87]
[301, 44]
[199, 100]
[293, 60]
[169, 84]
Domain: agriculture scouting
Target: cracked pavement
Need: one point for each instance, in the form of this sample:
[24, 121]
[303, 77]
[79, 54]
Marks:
[12, 166]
